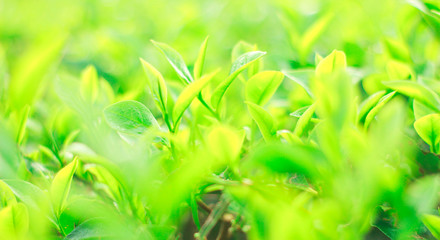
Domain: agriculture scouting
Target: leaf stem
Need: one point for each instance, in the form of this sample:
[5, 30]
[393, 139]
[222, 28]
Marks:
[211, 110]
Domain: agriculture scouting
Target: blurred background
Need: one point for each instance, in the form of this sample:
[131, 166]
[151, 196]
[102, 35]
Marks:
[113, 34]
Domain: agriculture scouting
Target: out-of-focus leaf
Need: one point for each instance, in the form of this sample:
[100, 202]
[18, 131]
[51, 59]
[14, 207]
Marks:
[188, 95]
[224, 144]
[304, 121]
[60, 187]
[373, 112]
[237, 67]
[90, 229]
[200, 62]
[302, 77]
[6, 195]
[129, 117]
[28, 193]
[263, 119]
[334, 62]
[286, 158]
[14, 221]
[423, 194]
[421, 110]
[22, 125]
[398, 50]
[313, 33]
[428, 128]
[368, 104]
[28, 73]
[89, 84]
[176, 61]
[432, 222]
[157, 85]
[261, 87]
[399, 71]
[417, 91]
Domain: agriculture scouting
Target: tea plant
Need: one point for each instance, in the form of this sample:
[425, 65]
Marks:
[331, 146]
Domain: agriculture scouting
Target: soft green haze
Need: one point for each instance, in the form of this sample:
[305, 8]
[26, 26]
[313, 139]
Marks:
[190, 119]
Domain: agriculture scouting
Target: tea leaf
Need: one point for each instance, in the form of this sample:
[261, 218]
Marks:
[28, 193]
[60, 187]
[200, 62]
[432, 222]
[428, 129]
[157, 85]
[263, 119]
[237, 67]
[334, 62]
[188, 94]
[373, 112]
[304, 121]
[89, 84]
[261, 87]
[302, 77]
[176, 61]
[129, 117]
[368, 104]
[417, 91]
[14, 221]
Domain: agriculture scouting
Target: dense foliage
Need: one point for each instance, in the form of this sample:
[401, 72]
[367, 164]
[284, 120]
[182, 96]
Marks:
[292, 120]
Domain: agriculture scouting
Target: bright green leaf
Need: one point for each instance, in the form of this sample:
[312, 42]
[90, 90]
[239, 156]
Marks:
[428, 128]
[188, 95]
[200, 62]
[262, 86]
[129, 117]
[89, 84]
[176, 61]
[157, 85]
[60, 187]
[334, 62]
[263, 119]
[237, 67]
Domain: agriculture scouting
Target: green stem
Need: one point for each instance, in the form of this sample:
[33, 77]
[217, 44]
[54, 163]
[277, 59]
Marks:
[211, 110]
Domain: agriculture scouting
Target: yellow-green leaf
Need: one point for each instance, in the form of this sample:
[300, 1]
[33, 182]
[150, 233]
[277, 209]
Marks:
[237, 67]
[263, 119]
[261, 87]
[60, 187]
[89, 86]
[417, 91]
[428, 128]
[188, 95]
[334, 62]
[200, 62]
[157, 85]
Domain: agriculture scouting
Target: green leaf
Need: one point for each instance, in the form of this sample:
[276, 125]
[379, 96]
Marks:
[423, 194]
[237, 67]
[14, 221]
[22, 126]
[28, 193]
[313, 33]
[262, 86]
[28, 74]
[302, 77]
[373, 112]
[60, 187]
[157, 85]
[398, 50]
[290, 158]
[200, 62]
[89, 84]
[432, 222]
[334, 62]
[304, 121]
[263, 119]
[188, 95]
[224, 144]
[421, 110]
[428, 128]
[129, 117]
[176, 61]
[90, 229]
[399, 71]
[6, 195]
[368, 104]
[417, 91]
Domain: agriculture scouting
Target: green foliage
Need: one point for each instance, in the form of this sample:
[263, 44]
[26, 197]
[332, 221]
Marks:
[209, 142]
